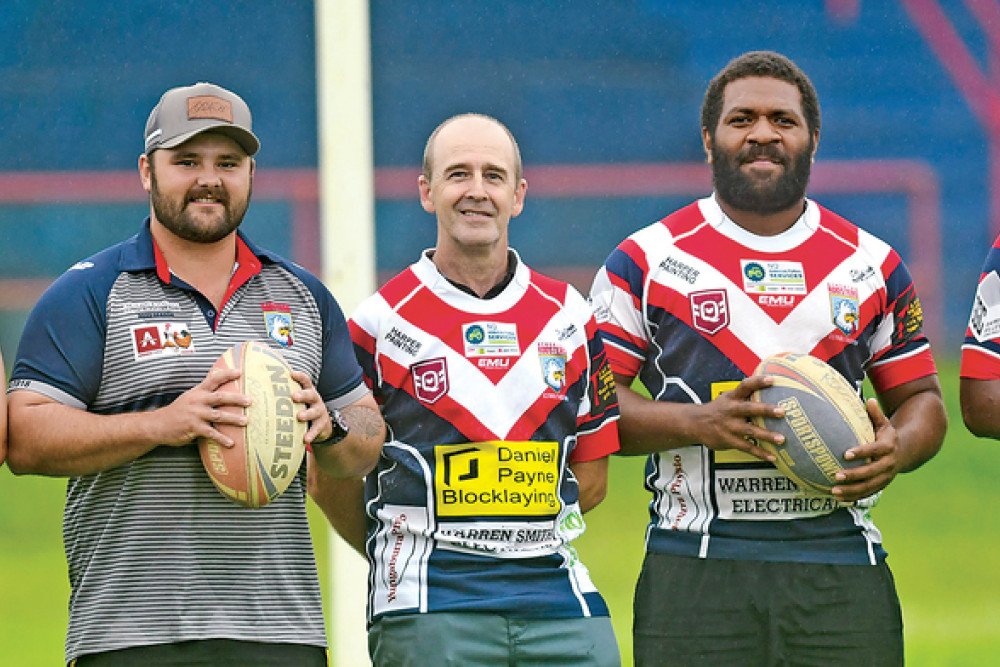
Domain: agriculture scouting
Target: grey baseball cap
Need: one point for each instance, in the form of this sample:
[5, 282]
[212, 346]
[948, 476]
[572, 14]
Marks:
[189, 110]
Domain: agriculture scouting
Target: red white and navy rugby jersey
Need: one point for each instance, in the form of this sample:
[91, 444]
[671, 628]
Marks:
[488, 401]
[981, 348]
[155, 553]
[692, 303]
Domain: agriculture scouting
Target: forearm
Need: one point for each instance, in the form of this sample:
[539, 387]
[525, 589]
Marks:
[921, 423]
[980, 401]
[48, 438]
[647, 426]
[342, 502]
[357, 454]
[592, 478]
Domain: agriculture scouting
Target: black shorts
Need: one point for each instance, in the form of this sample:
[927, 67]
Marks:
[691, 611]
[209, 653]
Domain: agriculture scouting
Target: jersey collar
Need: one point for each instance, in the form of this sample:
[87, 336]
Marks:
[142, 254]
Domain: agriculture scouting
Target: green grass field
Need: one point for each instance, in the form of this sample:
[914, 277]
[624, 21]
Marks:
[937, 523]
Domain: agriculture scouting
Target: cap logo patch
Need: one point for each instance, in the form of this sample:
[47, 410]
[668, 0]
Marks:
[210, 106]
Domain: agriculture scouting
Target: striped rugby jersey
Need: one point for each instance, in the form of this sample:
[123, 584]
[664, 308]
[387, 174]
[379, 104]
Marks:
[692, 303]
[472, 505]
[155, 553]
[981, 348]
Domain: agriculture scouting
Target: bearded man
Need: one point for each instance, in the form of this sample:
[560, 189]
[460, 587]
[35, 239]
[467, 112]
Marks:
[113, 384]
[741, 566]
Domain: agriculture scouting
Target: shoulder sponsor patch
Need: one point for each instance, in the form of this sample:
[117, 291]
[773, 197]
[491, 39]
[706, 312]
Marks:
[602, 391]
[908, 317]
[156, 339]
[985, 319]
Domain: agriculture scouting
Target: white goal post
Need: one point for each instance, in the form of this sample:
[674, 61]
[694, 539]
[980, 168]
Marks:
[346, 207]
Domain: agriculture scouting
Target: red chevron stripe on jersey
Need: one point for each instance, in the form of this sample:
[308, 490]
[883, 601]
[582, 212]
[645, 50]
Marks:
[691, 304]
[513, 390]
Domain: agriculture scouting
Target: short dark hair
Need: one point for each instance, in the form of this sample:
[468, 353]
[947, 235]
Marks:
[759, 63]
[429, 146]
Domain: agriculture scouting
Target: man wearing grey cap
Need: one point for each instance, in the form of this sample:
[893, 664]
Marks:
[112, 386]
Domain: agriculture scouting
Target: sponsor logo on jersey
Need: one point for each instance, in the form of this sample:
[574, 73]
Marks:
[782, 277]
[766, 495]
[406, 343]
[553, 361]
[490, 339]
[161, 338]
[563, 334]
[844, 307]
[908, 317]
[157, 310]
[985, 319]
[602, 387]
[685, 272]
[776, 300]
[492, 363]
[679, 488]
[864, 274]
[278, 321]
[430, 379]
[497, 478]
[709, 310]
[397, 535]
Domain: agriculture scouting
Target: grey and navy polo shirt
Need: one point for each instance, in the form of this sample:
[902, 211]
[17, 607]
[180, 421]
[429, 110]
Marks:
[155, 553]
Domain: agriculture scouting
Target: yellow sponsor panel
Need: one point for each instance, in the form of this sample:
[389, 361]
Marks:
[497, 478]
[729, 455]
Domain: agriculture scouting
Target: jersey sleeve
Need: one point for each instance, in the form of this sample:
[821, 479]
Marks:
[61, 352]
[900, 350]
[616, 298]
[363, 326]
[981, 347]
[597, 420]
[340, 379]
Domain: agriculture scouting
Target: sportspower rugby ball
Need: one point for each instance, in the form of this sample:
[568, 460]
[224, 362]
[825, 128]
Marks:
[824, 417]
[269, 449]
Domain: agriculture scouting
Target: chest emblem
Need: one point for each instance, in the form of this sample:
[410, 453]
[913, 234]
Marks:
[553, 361]
[709, 311]
[278, 321]
[844, 307]
[430, 379]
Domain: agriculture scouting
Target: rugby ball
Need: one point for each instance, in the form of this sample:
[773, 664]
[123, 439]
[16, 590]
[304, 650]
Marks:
[824, 417]
[269, 449]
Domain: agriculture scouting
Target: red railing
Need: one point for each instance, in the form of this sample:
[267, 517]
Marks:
[299, 187]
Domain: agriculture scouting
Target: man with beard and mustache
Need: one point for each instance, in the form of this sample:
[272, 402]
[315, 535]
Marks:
[113, 384]
[741, 567]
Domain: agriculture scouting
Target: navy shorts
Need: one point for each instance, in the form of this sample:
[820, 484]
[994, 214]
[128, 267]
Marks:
[691, 611]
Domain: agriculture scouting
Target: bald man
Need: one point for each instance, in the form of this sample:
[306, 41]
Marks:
[502, 413]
